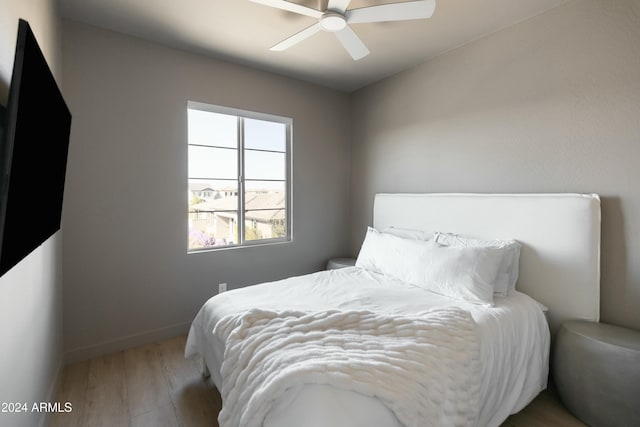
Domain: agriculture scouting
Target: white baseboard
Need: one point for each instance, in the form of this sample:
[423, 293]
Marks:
[124, 343]
[55, 385]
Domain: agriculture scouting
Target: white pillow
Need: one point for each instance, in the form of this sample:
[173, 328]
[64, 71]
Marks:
[459, 272]
[385, 252]
[409, 233]
[510, 267]
[467, 273]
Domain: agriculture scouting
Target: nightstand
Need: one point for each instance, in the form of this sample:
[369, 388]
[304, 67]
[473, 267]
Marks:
[596, 370]
[335, 263]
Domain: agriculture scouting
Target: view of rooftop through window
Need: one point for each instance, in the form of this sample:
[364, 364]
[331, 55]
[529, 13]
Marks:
[238, 177]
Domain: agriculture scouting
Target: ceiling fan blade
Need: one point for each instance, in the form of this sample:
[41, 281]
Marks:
[352, 43]
[298, 37]
[339, 5]
[291, 7]
[419, 9]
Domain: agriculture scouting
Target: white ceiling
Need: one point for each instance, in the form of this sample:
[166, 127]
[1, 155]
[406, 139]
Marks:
[242, 31]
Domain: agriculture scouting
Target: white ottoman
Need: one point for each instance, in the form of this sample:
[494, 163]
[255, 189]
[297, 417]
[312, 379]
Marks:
[596, 369]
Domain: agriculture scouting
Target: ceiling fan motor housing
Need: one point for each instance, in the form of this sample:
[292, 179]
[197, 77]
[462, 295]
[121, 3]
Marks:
[332, 21]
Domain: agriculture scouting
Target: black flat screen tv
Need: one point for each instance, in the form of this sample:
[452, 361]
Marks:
[34, 142]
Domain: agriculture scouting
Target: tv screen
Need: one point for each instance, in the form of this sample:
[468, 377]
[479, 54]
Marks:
[33, 154]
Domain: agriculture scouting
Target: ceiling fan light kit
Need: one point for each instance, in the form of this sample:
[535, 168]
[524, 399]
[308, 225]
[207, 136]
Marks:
[336, 19]
[332, 21]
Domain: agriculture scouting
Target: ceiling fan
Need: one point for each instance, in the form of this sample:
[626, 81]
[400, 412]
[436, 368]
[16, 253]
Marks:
[337, 19]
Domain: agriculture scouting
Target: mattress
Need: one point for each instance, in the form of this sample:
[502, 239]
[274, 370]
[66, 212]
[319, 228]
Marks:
[514, 343]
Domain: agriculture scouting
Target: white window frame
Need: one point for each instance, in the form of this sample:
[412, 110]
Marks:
[288, 122]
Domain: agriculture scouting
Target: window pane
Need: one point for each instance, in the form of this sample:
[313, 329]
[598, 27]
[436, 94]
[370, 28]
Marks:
[264, 165]
[208, 162]
[213, 221]
[206, 128]
[264, 135]
[263, 186]
[205, 190]
[256, 200]
[265, 224]
[265, 210]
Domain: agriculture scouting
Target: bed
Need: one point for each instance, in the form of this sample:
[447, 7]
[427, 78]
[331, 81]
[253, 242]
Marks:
[376, 344]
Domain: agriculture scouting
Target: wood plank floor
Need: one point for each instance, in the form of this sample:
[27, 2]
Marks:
[155, 386]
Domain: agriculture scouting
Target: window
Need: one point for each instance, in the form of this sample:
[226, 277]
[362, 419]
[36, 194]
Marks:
[239, 173]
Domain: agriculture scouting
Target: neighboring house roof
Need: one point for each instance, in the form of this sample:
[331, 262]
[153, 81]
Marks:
[265, 216]
[222, 204]
[201, 186]
[197, 186]
[274, 201]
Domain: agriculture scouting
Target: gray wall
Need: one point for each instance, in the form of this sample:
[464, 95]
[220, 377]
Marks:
[31, 293]
[128, 278]
[549, 105]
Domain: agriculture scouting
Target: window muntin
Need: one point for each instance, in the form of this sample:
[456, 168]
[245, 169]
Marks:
[239, 177]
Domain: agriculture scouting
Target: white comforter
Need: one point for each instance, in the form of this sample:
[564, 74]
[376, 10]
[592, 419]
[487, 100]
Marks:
[424, 368]
[513, 339]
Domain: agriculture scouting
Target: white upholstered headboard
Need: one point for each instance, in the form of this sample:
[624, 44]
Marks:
[559, 233]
